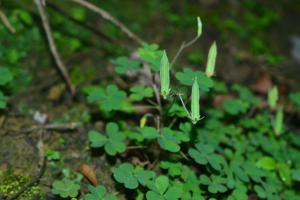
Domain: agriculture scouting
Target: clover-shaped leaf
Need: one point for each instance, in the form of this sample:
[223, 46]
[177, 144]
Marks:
[191, 189]
[187, 76]
[252, 171]
[151, 54]
[149, 133]
[98, 193]
[140, 92]
[65, 188]
[235, 168]
[107, 100]
[171, 139]
[174, 168]
[215, 183]
[177, 110]
[113, 142]
[239, 193]
[123, 65]
[266, 163]
[204, 154]
[5, 76]
[245, 94]
[131, 177]
[235, 106]
[160, 189]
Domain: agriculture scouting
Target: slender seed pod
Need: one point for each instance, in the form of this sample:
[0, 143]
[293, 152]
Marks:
[278, 121]
[211, 60]
[199, 25]
[164, 75]
[195, 104]
[273, 97]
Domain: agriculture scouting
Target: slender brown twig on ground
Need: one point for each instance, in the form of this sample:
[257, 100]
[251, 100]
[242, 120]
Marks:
[52, 45]
[6, 22]
[109, 17]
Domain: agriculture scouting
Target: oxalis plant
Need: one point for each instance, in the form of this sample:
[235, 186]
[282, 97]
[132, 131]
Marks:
[158, 151]
[194, 115]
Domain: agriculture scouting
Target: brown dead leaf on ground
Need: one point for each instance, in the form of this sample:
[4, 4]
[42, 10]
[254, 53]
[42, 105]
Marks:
[88, 173]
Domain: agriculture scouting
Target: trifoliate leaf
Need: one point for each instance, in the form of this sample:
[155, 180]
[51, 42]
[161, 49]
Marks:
[124, 65]
[151, 54]
[110, 99]
[171, 139]
[204, 154]
[98, 193]
[162, 190]
[149, 133]
[140, 92]
[187, 77]
[131, 177]
[113, 142]
[235, 106]
[65, 188]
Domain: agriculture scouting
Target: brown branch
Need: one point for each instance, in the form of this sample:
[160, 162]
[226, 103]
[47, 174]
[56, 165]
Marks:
[109, 17]
[52, 45]
[6, 22]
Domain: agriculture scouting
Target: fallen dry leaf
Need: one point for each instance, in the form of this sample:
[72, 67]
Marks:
[88, 173]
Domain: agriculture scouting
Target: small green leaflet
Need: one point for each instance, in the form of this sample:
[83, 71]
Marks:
[199, 25]
[273, 97]
[112, 98]
[186, 78]
[278, 121]
[211, 60]
[161, 189]
[98, 193]
[151, 54]
[195, 105]
[164, 75]
[140, 92]
[65, 188]
[266, 163]
[285, 173]
[113, 142]
[124, 65]
[131, 177]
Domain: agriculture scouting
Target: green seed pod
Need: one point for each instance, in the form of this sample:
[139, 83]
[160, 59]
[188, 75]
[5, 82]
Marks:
[211, 60]
[273, 97]
[164, 75]
[199, 24]
[195, 104]
[278, 121]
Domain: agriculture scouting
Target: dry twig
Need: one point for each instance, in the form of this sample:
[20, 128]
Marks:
[52, 45]
[6, 22]
[109, 17]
